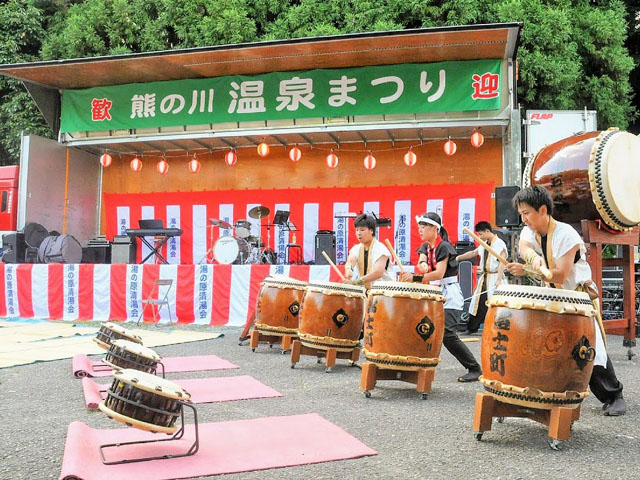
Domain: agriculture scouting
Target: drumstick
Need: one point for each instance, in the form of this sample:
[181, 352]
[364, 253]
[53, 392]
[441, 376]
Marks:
[393, 253]
[544, 270]
[333, 265]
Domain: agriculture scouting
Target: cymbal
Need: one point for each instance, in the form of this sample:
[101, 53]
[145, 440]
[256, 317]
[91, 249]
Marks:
[219, 223]
[259, 212]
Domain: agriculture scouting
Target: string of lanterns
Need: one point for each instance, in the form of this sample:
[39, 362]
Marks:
[295, 155]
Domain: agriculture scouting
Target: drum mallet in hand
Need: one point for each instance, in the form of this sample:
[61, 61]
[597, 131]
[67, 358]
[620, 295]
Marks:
[393, 253]
[334, 266]
[544, 270]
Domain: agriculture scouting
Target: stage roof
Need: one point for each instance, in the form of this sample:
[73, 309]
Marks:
[469, 42]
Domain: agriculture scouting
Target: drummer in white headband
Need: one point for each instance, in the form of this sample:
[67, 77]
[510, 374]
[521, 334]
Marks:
[438, 263]
[368, 260]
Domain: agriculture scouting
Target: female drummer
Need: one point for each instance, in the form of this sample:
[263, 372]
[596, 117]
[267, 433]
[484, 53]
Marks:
[369, 260]
[438, 263]
[545, 241]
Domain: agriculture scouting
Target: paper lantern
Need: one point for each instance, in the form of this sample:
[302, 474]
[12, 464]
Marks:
[450, 147]
[477, 139]
[136, 164]
[230, 158]
[370, 162]
[332, 160]
[105, 160]
[263, 150]
[295, 154]
[194, 165]
[410, 159]
[162, 167]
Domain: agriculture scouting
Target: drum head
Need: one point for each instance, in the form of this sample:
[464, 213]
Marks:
[614, 173]
[243, 228]
[136, 348]
[122, 331]
[151, 383]
[228, 250]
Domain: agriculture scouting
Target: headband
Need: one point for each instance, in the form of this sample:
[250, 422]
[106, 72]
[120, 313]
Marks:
[425, 219]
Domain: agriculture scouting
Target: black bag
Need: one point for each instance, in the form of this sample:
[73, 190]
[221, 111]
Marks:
[60, 249]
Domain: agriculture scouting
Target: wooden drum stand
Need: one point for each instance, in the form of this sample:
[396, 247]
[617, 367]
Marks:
[330, 354]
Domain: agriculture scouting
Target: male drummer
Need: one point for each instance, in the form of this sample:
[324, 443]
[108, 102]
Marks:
[546, 242]
[368, 260]
[490, 274]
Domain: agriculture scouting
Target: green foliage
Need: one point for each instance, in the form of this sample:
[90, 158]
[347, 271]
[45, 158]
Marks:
[572, 53]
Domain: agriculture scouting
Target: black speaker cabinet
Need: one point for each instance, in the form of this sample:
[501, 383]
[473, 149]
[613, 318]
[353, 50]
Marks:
[506, 215]
[325, 241]
[13, 248]
[96, 254]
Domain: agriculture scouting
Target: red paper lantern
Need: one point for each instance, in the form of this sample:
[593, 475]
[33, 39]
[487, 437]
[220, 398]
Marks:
[105, 160]
[162, 167]
[370, 162]
[410, 159]
[230, 158]
[450, 147]
[477, 139]
[332, 160]
[136, 164]
[194, 165]
[263, 150]
[295, 154]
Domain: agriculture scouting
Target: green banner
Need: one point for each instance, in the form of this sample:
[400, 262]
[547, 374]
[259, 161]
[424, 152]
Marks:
[390, 89]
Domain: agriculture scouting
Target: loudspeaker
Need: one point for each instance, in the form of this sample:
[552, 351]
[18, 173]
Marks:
[506, 215]
[13, 248]
[96, 254]
[123, 249]
[325, 241]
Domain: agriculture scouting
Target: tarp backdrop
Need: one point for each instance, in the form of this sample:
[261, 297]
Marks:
[311, 209]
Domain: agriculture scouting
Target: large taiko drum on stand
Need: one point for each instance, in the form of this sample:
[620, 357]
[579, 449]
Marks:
[278, 305]
[591, 176]
[538, 346]
[404, 325]
[331, 316]
[109, 332]
[144, 401]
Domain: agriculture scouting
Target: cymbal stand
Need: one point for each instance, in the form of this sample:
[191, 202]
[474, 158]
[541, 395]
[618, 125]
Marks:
[209, 254]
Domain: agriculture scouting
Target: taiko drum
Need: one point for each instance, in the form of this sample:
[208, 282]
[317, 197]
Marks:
[331, 316]
[404, 325]
[591, 176]
[538, 346]
[109, 332]
[278, 305]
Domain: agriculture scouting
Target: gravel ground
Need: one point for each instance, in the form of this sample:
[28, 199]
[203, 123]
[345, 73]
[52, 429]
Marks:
[415, 439]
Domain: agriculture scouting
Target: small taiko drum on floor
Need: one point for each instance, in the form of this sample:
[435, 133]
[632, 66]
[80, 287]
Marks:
[278, 305]
[404, 325]
[110, 331]
[144, 401]
[538, 346]
[591, 176]
[331, 316]
[126, 354]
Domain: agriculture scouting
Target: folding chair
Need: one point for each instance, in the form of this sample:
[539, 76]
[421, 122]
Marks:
[156, 302]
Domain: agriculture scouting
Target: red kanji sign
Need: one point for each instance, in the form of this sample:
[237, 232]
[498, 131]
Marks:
[100, 109]
[485, 86]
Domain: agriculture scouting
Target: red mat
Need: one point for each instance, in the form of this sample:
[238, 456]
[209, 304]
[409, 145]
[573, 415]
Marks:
[225, 447]
[83, 366]
[202, 390]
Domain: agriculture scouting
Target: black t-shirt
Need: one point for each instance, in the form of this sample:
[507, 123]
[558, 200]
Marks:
[444, 250]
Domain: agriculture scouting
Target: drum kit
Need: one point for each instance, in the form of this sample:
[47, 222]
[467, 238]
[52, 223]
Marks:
[241, 247]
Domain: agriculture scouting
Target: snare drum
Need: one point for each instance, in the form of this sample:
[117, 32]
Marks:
[404, 325]
[229, 250]
[110, 331]
[538, 346]
[144, 401]
[591, 176]
[126, 354]
[278, 305]
[243, 228]
[331, 316]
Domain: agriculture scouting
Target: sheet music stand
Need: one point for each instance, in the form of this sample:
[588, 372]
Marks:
[281, 217]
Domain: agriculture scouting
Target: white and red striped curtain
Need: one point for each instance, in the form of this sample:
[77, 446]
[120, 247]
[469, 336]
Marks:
[311, 209]
[200, 294]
